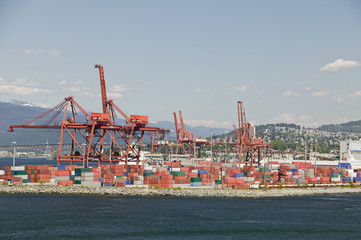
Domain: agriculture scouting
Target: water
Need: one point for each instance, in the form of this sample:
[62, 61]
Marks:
[8, 161]
[110, 217]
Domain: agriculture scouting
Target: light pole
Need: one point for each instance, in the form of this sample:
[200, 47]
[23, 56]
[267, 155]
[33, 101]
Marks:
[84, 153]
[14, 144]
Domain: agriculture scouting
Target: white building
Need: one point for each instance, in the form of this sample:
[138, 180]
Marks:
[349, 149]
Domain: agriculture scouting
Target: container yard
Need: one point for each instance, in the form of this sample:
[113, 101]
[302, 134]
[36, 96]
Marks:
[175, 175]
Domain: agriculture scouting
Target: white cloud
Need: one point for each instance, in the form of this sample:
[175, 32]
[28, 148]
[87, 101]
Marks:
[339, 64]
[341, 97]
[237, 89]
[63, 82]
[308, 89]
[78, 83]
[23, 82]
[87, 94]
[320, 94]
[241, 89]
[122, 88]
[54, 53]
[209, 123]
[290, 94]
[114, 95]
[198, 90]
[21, 86]
[12, 89]
[26, 52]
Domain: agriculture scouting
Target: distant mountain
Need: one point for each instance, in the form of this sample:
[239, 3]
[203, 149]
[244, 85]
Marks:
[353, 127]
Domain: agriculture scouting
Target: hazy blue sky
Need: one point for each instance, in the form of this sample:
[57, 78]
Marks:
[289, 61]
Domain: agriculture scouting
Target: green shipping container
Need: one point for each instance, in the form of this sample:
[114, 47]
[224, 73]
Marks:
[77, 182]
[20, 173]
[264, 176]
[80, 170]
[25, 181]
[218, 181]
[197, 179]
[178, 174]
[146, 174]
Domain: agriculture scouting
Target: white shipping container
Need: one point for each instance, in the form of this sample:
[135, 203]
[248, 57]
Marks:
[194, 171]
[18, 168]
[249, 179]
[90, 184]
[87, 174]
[338, 179]
[85, 178]
[62, 178]
[2, 172]
[175, 169]
[148, 168]
[22, 176]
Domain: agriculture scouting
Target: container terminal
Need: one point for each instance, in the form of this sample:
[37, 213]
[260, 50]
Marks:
[123, 164]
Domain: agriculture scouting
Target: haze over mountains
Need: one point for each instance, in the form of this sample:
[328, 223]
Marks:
[19, 112]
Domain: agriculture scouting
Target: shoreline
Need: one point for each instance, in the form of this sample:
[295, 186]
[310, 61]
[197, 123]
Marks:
[175, 192]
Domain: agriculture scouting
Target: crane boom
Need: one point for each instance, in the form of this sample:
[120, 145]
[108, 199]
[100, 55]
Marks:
[103, 88]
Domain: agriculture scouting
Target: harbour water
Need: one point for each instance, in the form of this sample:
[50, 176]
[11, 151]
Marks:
[109, 217]
[113, 217]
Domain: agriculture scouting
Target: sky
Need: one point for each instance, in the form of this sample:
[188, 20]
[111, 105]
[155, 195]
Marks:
[288, 61]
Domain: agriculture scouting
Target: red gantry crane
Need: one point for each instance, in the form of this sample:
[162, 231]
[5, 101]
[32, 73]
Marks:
[87, 137]
[250, 146]
[187, 142]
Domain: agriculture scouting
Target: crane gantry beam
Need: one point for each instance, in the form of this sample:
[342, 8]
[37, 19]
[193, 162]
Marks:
[87, 137]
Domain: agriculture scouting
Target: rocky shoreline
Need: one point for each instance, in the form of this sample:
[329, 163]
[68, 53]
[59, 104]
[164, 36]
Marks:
[175, 192]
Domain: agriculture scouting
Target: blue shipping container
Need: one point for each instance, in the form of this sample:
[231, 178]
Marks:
[357, 179]
[238, 175]
[346, 179]
[294, 170]
[60, 167]
[108, 184]
[344, 165]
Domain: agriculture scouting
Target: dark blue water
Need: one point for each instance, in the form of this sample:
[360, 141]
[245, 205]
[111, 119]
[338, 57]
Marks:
[105, 217]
